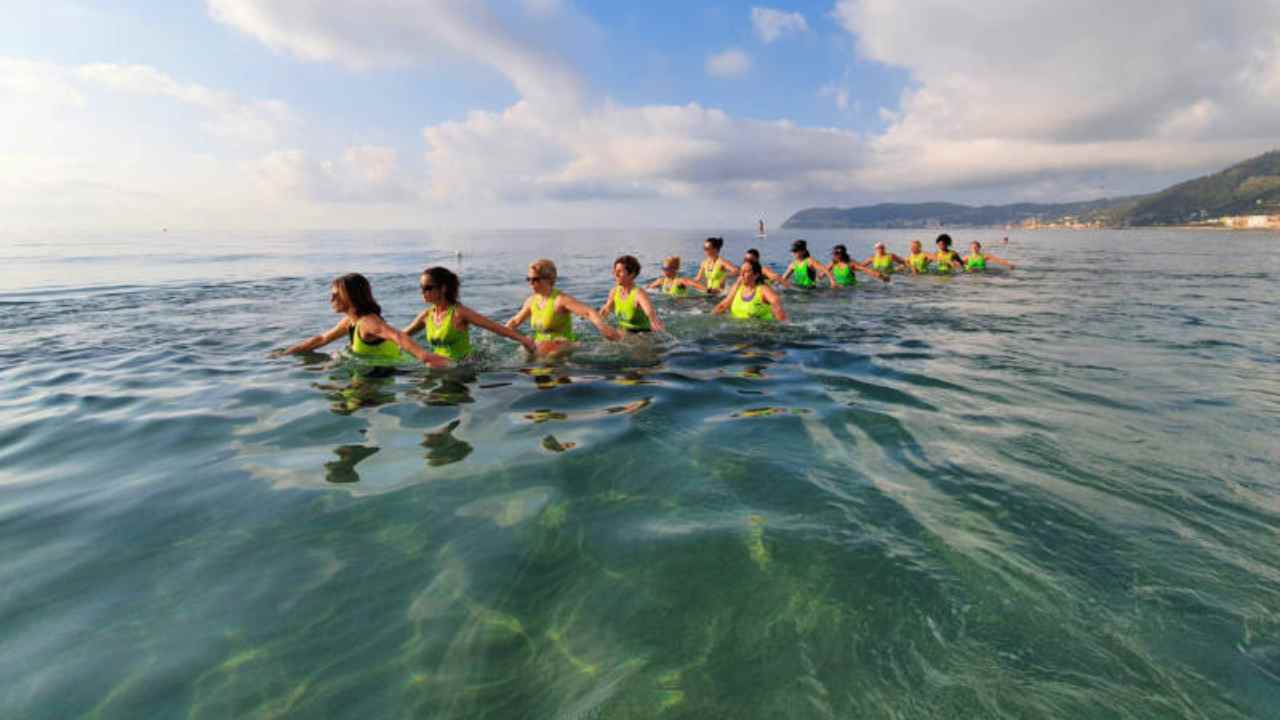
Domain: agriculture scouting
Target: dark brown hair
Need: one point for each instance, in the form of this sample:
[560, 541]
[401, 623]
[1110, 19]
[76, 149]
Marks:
[628, 263]
[447, 280]
[353, 288]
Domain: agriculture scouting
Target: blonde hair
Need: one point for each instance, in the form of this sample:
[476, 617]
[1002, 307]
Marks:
[673, 261]
[544, 269]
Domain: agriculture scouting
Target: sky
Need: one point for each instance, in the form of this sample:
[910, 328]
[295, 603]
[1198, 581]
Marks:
[297, 114]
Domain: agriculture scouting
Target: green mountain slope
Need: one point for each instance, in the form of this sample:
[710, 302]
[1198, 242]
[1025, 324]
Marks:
[1251, 187]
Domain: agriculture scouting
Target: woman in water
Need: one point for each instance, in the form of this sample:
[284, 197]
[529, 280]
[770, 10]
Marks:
[630, 304]
[714, 268]
[884, 262]
[804, 270]
[448, 322]
[370, 336]
[751, 298]
[946, 259]
[977, 260]
[550, 312]
[918, 261]
[842, 268]
[671, 283]
[769, 275]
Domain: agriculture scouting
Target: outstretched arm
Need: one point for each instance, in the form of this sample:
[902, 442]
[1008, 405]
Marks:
[702, 271]
[775, 303]
[657, 283]
[380, 328]
[728, 267]
[823, 271]
[725, 303]
[655, 322]
[518, 319]
[692, 284]
[608, 304]
[899, 261]
[871, 271]
[321, 340]
[418, 323]
[485, 323]
[775, 277]
[998, 260]
[565, 302]
[787, 273]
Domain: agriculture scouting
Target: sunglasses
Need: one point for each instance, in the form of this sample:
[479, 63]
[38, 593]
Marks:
[532, 279]
[669, 269]
[429, 288]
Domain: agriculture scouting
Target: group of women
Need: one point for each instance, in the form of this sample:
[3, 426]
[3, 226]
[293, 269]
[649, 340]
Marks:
[753, 295]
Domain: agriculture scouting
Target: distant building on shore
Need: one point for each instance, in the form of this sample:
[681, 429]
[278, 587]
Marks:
[1251, 222]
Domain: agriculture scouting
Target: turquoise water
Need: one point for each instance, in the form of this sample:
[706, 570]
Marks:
[1047, 493]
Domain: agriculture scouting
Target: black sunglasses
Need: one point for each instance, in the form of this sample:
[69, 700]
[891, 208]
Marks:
[429, 288]
[533, 279]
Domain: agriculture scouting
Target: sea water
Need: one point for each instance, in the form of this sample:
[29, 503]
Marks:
[1052, 492]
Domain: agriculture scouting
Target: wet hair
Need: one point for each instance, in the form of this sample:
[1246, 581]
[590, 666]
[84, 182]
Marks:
[753, 253]
[916, 242]
[544, 268]
[715, 242]
[628, 263]
[800, 246]
[447, 280]
[755, 267]
[945, 239]
[841, 253]
[353, 289]
[671, 261]
[976, 244]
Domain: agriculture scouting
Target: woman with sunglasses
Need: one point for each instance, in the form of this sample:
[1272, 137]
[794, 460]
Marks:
[842, 268]
[448, 322]
[671, 283]
[751, 298]
[630, 304]
[550, 312]
[370, 336]
[804, 270]
[714, 268]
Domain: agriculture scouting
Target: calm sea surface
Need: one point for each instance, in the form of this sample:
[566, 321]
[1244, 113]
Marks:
[1047, 493]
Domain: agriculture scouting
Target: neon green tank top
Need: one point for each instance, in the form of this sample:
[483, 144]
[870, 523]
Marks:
[715, 273]
[630, 315]
[882, 263]
[943, 260]
[547, 323]
[919, 261]
[843, 274]
[381, 350]
[754, 309]
[445, 339]
[674, 288]
[973, 263]
[801, 274]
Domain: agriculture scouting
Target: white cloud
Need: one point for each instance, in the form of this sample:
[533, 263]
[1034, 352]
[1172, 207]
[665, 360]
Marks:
[616, 151]
[999, 96]
[260, 121]
[729, 63]
[29, 79]
[771, 24]
[837, 93]
[392, 33]
[364, 174]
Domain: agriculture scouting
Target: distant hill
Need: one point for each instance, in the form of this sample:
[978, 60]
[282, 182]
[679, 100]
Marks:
[1251, 187]
[919, 215]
